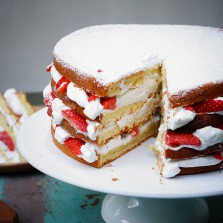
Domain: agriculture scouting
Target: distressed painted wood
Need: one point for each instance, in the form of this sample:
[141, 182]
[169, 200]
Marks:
[38, 198]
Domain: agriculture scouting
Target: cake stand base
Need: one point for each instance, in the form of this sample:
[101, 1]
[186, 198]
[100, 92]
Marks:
[123, 209]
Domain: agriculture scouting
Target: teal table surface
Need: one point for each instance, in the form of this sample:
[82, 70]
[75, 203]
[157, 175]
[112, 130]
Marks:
[39, 198]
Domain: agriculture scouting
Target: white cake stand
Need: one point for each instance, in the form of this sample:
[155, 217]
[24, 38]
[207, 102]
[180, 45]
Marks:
[136, 192]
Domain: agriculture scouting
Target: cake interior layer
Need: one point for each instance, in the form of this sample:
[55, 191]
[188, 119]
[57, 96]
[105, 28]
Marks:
[126, 118]
[115, 147]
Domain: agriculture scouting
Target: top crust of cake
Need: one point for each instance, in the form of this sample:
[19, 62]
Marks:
[100, 56]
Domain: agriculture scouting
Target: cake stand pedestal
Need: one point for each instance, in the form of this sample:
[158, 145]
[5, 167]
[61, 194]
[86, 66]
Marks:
[141, 194]
[123, 209]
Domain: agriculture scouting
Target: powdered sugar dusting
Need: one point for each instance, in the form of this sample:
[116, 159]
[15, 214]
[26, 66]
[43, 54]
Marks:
[191, 55]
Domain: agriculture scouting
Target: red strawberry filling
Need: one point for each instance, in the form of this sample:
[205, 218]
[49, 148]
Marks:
[7, 140]
[109, 103]
[210, 105]
[62, 84]
[135, 131]
[48, 102]
[92, 97]
[189, 108]
[177, 139]
[220, 126]
[218, 156]
[74, 145]
[75, 120]
[48, 68]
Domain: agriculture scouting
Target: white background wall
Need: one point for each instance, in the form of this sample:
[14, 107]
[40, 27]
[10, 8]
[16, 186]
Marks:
[29, 29]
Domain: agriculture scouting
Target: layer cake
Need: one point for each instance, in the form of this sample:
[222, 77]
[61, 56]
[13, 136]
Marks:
[110, 83]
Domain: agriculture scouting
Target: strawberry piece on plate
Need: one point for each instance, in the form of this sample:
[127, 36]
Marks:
[62, 84]
[135, 131]
[92, 97]
[218, 156]
[210, 105]
[74, 145]
[75, 120]
[177, 139]
[7, 140]
[109, 103]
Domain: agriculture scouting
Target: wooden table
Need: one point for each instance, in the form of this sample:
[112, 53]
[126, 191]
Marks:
[39, 198]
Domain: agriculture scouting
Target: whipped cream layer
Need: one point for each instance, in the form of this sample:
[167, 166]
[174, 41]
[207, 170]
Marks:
[208, 136]
[93, 109]
[178, 117]
[172, 168]
[90, 151]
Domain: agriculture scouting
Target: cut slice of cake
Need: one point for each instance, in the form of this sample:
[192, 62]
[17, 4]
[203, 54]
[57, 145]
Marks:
[96, 130]
[14, 110]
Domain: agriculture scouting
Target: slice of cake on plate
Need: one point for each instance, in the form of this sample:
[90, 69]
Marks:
[14, 109]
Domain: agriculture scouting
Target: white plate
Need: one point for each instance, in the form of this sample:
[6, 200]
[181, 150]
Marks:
[136, 173]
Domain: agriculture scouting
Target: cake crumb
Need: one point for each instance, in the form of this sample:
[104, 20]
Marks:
[115, 179]
[96, 202]
[161, 181]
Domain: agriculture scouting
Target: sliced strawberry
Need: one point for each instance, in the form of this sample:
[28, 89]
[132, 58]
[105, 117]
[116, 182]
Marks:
[75, 120]
[100, 70]
[92, 97]
[49, 98]
[190, 108]
[74, 145]
[62, 84]
[109, 103]
[135, 131]
[48, 102]
[210, 105]
[7, 140]
[48, 68]
[218, 156]
[220, 126]
[177, 139]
